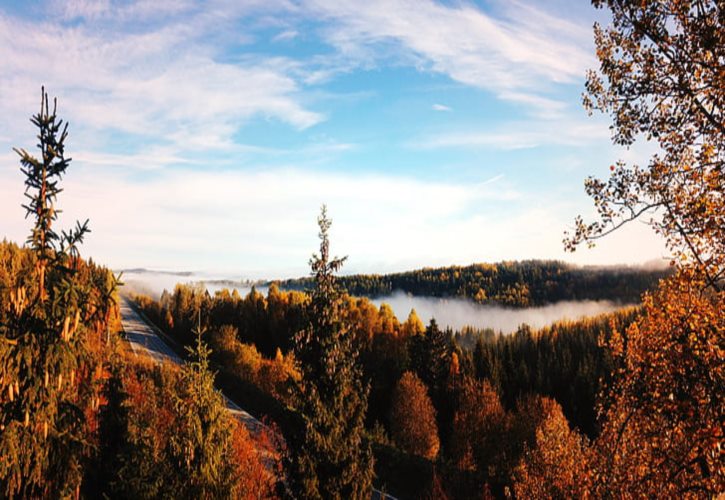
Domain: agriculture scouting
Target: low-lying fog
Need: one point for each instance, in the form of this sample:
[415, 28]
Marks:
[153, 283]
[458, 313]
[455, 313]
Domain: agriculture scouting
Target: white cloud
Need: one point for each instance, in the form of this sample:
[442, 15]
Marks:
[264, 222]
[518, 53]
[441, 107]
[285, 36]
[521, 135]
[163, 82]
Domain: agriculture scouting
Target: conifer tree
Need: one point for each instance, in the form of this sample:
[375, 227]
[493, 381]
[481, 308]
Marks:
[45, 365]
[329, 458]
[203, 444]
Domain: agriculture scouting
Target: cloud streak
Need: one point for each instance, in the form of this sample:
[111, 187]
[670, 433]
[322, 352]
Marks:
[517, 54]
[162, 82]
[520, 135]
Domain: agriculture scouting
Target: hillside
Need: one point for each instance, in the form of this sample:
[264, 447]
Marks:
[515, 284]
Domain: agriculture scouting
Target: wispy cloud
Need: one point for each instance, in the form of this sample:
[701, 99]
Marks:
[159, 81]
[441, 107]
[517, 52]
[523, 135]
[285, 36]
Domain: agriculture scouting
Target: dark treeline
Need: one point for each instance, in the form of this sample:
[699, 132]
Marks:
[252, 338]
[564, 361]
[514, 284]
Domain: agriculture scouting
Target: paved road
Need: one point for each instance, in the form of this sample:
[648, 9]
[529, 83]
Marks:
[145, 340]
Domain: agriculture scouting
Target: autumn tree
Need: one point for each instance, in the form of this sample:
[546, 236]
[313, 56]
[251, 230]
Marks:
[166, 433]
[412, 418]
[47, 370]
[554, 466]
[663, 425]
[413, 325]
[662, 76]
[480, 431]
[329, 456]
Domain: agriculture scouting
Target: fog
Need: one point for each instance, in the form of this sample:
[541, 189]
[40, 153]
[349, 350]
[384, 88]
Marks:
[458, 313]
[455, 313]
[153, 283]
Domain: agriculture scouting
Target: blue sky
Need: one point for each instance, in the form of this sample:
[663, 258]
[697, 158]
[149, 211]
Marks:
[205, 135]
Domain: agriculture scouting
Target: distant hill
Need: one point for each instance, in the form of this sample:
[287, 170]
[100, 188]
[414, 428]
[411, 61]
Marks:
[510, 283]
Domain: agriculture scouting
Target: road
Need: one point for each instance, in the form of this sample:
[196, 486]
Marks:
[145, 340]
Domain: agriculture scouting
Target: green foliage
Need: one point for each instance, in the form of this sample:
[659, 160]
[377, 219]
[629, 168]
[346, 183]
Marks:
[329, 456]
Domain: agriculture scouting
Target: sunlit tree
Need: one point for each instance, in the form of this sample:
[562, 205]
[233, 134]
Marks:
[662, 78]
[663, 425]
[555, 465]
[47, 371]
[412, 418]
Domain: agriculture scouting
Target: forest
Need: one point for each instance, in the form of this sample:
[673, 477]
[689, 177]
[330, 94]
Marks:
[252, 339]
[626, 405]
[512, 284]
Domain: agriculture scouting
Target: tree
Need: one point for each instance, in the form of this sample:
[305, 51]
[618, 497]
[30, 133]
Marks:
[47, 371]
[663, 425]
[662, 75]
[329, 456]
[480, 431]
[413, 325]
[431, 355]
[412, 418]
[166, 433]
[202, 443]
[555, 466]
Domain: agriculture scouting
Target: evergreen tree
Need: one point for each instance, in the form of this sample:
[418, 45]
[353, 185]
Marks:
[203, 443]
[329, 457]
[46, 368]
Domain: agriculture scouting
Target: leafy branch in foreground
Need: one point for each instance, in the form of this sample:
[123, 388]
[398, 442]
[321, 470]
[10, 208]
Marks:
[662, 76]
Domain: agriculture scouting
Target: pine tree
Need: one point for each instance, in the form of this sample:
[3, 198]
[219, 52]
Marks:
[203, 443]
[46, 369]
[329, 458]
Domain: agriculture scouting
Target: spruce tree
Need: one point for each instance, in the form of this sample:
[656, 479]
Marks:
[329, 457]
[46, 369]
[203, 443]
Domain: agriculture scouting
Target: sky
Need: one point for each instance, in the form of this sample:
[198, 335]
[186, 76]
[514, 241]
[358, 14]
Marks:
[205, 135]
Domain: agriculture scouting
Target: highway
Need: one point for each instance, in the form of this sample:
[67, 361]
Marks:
[146, 341]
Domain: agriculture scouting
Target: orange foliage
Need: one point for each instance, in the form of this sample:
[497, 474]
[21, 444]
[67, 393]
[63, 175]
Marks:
[663, 431]
[257, 463]
[412, 418]
[555, 467]
[479, 428]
